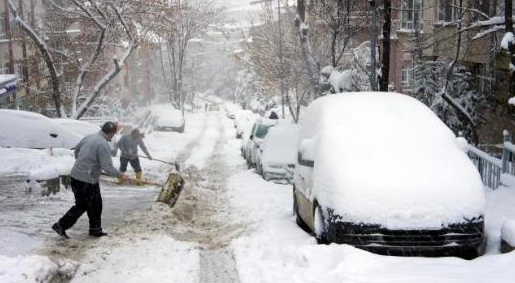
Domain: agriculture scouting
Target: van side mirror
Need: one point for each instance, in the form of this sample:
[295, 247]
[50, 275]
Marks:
[305, 162]
[251, 137]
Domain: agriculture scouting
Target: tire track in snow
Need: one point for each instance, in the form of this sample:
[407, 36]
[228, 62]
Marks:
[207, 142]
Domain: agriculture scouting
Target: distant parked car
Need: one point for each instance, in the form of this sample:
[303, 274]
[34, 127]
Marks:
[169, 119]
[245, 117]
[260, 130]
[277, 154]
[24, 129]
[380, 171]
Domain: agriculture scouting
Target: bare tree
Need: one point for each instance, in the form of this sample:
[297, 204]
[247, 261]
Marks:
[107, 30]
[185, 21]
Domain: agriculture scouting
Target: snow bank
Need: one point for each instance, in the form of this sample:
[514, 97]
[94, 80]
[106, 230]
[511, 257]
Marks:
[279, 145]
[148, 258]
[80, 128]
[508, 232]
[387, 159]
[274, 249]
[30, 269]
[36, 164]
[32, 130]
[500, 207]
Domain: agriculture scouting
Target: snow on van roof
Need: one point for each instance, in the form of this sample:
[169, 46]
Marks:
[385, 158]
[24, 129]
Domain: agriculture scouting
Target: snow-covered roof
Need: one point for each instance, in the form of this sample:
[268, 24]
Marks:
[385, 158]
[7, 79]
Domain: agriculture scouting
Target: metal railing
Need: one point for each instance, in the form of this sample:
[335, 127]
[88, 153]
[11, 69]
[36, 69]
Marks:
[492, 168]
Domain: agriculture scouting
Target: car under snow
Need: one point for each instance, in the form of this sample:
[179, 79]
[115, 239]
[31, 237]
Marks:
[22, 129]
[380, 171]
[277, 154]
[168, 119]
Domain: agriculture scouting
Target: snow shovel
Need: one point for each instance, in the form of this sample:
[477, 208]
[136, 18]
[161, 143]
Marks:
[175, 164]
[170, 190]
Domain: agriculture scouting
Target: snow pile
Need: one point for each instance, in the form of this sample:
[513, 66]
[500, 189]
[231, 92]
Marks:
[508, 232]
[36, 164]
[80, 128]
[507, 40]
[280, 145]
[30, 269]
[147, 258]
[32, 130]
[274, 249]
[387, 159]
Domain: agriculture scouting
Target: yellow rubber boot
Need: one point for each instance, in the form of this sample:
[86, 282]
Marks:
[139, 181]
[119, 181]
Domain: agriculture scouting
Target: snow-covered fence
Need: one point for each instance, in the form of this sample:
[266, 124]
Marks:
[492, 168]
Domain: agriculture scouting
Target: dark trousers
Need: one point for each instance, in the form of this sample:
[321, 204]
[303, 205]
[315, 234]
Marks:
[133, 161]
[87, 199]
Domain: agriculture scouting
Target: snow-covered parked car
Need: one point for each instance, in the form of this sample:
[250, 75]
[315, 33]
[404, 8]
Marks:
[168, 119]
[259, 132]
[80, 128]
[277, 154]
[244, 120]
[22, 129]
[380, 171]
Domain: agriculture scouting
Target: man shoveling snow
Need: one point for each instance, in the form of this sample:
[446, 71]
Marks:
[92, 155]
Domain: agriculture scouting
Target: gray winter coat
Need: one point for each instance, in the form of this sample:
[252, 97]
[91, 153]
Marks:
[129, 146]
[92, 155]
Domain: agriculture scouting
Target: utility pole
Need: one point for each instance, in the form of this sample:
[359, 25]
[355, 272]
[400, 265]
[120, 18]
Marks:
[373, 44]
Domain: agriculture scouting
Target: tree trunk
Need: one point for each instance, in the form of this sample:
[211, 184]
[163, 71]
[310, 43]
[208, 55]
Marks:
[385, 64]
[310, 61]
[508, 19]
[49, 61]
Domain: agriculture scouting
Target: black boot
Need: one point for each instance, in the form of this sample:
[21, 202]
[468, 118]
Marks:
[59, 230]
[97, 233]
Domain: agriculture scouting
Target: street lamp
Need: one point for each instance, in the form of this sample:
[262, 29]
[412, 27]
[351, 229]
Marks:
[281, 58]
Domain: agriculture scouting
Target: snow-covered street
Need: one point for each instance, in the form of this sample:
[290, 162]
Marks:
[229, 225]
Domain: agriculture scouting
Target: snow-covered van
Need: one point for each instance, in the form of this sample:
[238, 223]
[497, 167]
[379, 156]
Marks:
[381, 172]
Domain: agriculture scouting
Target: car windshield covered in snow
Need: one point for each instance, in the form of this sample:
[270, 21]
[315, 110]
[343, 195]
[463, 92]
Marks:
[262, 130]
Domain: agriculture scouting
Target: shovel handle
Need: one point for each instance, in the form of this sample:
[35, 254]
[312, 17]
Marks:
[175, 164]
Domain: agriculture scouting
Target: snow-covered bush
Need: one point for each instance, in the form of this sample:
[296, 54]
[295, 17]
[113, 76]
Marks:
[429, 81]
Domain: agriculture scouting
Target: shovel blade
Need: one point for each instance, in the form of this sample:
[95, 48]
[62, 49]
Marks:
[171, 190]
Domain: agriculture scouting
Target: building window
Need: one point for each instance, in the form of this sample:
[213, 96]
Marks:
[448, 11]
[411, 14]
[407, 76]
[2, 26]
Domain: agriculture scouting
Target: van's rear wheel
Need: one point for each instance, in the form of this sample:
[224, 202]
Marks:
[320, 225]
[299, 220]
